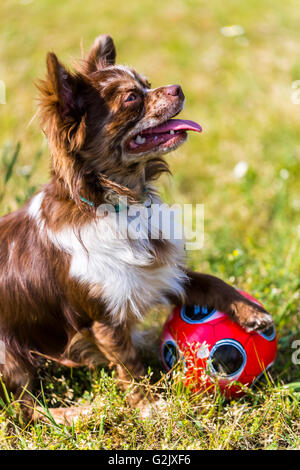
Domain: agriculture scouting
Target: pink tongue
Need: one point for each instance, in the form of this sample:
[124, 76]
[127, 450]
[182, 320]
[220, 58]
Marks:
[174, 125]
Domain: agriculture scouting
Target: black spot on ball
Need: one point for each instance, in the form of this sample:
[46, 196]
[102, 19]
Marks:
[227, 358]
[171, 354]
[195, 313]
[269, 333]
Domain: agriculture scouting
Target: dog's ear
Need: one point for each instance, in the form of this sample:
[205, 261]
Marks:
[61, 105]
[63, 85]
[102, 53]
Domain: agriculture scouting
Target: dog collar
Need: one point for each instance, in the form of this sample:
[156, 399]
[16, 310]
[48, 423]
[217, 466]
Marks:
[90, 203]
[121, 207]
[118, 207]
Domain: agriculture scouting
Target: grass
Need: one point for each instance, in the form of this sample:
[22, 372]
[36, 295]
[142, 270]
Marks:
[240, 89]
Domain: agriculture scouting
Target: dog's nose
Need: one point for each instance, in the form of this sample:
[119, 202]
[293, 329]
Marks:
[175, 90]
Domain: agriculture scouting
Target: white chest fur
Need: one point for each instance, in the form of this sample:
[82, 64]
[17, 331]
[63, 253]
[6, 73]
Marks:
[121, 269]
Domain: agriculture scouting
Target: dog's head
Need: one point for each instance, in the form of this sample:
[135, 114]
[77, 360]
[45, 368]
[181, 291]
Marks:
[106, 119]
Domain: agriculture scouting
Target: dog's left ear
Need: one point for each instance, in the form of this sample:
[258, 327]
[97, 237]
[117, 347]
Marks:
[102, 53]
[63, 85]
[61, 105]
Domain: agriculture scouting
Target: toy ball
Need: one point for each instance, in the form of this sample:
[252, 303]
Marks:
[215, 350]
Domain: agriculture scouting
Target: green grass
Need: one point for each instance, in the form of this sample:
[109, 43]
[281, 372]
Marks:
[239, 88]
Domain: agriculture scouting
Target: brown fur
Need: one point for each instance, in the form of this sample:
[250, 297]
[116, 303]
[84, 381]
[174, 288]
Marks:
[44, 311]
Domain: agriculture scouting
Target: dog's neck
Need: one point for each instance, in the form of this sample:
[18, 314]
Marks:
[133, 181]
[95, 189]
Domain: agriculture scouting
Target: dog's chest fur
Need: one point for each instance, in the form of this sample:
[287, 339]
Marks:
[127, 272]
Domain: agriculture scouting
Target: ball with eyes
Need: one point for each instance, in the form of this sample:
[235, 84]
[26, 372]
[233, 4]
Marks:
[215, 351]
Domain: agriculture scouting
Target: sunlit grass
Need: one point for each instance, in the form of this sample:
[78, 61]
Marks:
[238, 86]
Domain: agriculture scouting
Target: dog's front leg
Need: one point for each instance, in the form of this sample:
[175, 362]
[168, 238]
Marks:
[204, 289]
[116, 345]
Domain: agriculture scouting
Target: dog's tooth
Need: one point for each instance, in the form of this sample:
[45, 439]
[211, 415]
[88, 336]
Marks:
[172, 132]
[132, 144]
[140, 140]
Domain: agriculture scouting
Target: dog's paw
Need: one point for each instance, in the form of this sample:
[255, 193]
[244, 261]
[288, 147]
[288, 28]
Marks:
[252, 317]
[152, 409]
[65, 416]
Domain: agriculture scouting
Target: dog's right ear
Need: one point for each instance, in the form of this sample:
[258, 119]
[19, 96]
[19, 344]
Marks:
[102, 53]
[61, 85]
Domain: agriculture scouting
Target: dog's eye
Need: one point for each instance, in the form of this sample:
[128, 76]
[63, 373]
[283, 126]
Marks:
[131, 97]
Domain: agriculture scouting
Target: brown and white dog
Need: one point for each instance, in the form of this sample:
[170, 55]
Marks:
[69, 289]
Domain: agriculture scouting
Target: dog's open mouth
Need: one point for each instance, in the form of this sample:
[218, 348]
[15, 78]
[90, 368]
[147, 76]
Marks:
[167, 135]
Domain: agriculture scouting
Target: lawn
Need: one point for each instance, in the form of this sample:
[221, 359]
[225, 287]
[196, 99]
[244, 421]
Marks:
[241, 86]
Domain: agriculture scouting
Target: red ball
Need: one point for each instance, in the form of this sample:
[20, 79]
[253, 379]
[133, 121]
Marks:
[214, 349]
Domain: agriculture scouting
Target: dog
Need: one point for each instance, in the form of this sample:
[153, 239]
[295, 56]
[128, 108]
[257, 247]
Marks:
[70, 288]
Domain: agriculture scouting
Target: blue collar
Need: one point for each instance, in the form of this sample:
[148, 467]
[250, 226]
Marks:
[118, 207]
[90, 203]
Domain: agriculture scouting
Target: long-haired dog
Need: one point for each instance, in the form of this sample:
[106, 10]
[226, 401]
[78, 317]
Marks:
[70, 287]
